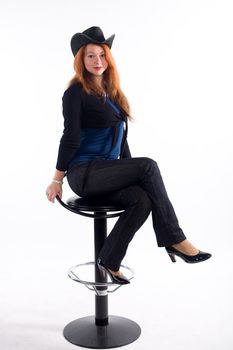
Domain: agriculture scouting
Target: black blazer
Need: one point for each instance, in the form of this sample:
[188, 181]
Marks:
[82, 110]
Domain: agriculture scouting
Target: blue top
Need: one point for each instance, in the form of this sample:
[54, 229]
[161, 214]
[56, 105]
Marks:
[93, 128]
[102, 143]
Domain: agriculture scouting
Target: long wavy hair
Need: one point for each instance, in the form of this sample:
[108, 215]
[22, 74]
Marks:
[111, 81]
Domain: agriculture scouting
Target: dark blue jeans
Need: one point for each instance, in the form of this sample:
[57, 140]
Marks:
[137, 184]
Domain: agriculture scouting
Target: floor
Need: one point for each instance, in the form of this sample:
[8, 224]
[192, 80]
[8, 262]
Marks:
[178, 306]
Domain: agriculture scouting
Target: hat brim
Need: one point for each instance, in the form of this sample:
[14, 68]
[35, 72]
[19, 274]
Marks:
[79, 39]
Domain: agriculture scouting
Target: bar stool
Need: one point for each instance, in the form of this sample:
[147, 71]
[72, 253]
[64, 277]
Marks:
[101, 330]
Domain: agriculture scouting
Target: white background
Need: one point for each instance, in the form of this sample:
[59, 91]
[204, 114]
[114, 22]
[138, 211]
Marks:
[175, 62]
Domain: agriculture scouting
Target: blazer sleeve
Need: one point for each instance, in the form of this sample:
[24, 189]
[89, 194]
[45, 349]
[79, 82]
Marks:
[70, 140]
[126, 151]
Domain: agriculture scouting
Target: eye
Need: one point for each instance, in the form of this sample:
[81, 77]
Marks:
[102, 55]
[90, 56]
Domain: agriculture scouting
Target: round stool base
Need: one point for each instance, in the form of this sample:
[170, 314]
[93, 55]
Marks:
[119, 332]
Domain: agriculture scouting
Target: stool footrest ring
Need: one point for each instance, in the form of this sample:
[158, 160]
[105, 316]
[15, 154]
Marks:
[90, 267]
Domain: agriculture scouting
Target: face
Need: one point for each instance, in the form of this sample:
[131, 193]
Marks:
[95, 60]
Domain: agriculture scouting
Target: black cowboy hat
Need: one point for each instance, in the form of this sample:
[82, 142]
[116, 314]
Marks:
[92, 35]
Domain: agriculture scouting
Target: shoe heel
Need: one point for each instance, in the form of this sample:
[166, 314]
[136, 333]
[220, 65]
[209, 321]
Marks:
[172, 257]
[102, 271]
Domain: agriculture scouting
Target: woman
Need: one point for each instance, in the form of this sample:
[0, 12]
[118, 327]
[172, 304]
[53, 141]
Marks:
[95, 156]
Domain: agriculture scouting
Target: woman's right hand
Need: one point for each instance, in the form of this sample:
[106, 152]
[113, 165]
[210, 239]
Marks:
[53, 190]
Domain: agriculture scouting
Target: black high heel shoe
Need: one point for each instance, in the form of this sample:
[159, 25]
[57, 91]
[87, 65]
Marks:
[191, 259]
[115, 279]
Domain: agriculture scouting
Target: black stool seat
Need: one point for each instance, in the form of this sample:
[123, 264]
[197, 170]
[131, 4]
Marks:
[96, 204]
[101, 330]
[99, 205]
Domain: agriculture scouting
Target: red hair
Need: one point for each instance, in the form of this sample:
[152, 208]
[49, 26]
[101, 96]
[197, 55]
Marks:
[110, 78]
